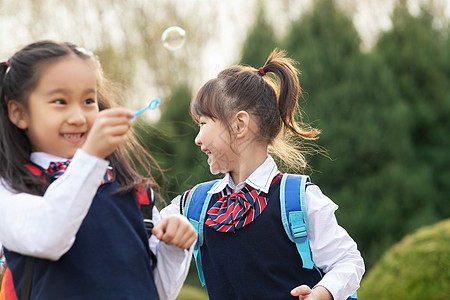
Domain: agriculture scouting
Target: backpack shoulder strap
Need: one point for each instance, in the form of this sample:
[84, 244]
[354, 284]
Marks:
[146, 201]
[195, 210]
[294, 215]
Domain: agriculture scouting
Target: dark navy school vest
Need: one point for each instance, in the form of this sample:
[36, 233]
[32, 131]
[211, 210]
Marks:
[257, 262]
[110, 258]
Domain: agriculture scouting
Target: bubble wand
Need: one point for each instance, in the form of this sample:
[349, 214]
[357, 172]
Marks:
[151, 105]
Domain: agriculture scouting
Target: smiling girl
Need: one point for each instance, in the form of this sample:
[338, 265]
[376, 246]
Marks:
[68, 186]
[245, 252]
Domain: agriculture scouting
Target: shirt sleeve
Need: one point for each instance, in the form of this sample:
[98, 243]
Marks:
[173, 262]
[333, 250]
[45, 226]
[173, 208]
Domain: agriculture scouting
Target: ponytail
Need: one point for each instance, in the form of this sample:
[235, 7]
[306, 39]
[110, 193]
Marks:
[272, 99]
[3, 70]
[288, 91]
[285, 146]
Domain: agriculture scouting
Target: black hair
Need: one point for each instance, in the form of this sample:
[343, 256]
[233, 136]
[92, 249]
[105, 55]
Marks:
[19, 75]
[272, 99]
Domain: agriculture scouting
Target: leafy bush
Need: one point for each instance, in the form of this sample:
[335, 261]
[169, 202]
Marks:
[418, 267]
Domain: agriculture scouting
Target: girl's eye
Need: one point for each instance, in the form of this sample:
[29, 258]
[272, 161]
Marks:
[89, 101]
[59, 101]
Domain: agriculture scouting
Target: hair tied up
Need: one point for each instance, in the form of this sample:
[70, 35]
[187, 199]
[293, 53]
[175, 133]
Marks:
[8, 66]
[262, 71]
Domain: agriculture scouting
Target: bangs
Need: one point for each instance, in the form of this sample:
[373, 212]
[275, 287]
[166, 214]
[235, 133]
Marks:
[207, 102]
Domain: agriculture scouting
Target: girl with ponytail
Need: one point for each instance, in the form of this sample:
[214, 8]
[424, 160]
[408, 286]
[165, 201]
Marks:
[245, 116]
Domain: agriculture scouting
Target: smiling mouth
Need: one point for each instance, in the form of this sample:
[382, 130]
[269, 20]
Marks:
[72, 136]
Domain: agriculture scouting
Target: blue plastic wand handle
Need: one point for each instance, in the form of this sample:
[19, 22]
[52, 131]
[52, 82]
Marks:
[151, 105]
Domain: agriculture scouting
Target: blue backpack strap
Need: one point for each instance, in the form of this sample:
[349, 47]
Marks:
[294, 215]
[195, 210]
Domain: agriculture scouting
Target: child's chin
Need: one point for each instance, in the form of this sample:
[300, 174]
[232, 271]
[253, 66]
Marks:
[214, 171]
[68, 154]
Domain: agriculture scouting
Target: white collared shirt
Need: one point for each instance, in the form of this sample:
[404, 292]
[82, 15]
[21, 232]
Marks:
[260, 179]
[46, 227]
[333, 250]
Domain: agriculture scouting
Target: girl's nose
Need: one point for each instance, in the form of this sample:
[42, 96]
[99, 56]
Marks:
[197, 140]
[76, 117]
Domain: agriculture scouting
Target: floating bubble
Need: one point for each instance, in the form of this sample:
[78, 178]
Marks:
[173, 38]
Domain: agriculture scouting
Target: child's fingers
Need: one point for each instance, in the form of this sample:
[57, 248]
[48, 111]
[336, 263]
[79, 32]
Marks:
[157, 230]
[185, 238]
[172, 234]
[112, 124]
[117, 112]
[164, 230]
[302, 292]
[108, 131]
[189, 239]
[175, 230]
[189, 234]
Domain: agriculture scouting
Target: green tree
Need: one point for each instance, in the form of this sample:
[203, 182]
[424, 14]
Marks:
[260, 40]
[349, 97]
[417, 54]
[373, 174]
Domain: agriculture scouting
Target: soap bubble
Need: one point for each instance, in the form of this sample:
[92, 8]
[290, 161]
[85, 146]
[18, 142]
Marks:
[173, 38]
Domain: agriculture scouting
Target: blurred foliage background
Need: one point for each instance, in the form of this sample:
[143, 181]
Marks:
[379, 91]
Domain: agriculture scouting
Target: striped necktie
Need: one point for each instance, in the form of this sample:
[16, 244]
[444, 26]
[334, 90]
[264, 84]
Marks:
[236, 210]
[56, 169]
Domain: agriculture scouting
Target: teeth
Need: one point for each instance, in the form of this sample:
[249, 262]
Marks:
[72, 136]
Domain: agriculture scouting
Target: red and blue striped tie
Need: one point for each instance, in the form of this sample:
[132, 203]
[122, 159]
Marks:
[56, 169]
[236, 210]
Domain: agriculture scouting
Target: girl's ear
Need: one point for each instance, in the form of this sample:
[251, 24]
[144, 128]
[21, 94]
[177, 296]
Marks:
[16, 114]
[241, 123]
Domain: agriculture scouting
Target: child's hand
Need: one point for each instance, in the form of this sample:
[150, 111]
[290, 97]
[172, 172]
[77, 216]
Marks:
[175, 230]
[108, 132]
[304, 292]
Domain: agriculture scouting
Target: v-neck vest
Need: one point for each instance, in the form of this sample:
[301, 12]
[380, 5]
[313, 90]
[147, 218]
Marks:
[110, 258]
[257, 262]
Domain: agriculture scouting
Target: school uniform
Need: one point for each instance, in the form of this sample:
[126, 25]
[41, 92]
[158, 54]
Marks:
[258, 261]
[90, 243]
